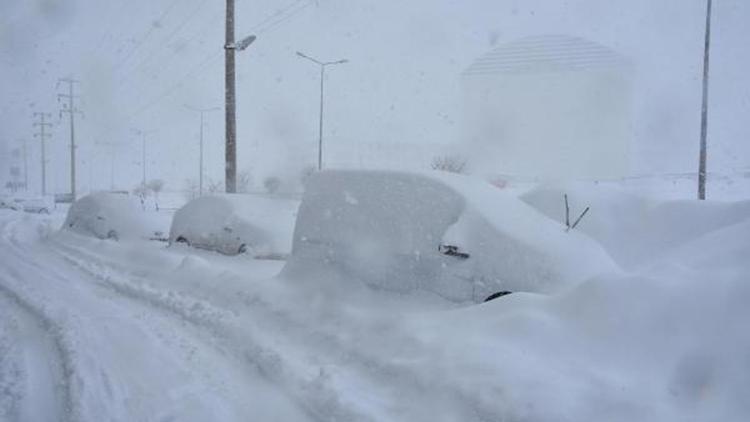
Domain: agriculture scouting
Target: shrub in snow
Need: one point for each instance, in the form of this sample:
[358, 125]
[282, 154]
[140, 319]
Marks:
[233, 224]
[449, 163]
[110, 216]
[272, 184]
[448, 234]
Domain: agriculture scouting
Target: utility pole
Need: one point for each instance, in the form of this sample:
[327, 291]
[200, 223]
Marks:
[25, 165]
[230, 175]
[42, 135]
[112, 146]
[230, 46]
[704, 108]
[71, 109]
[143, 134]
[320, 116]
[202, 111]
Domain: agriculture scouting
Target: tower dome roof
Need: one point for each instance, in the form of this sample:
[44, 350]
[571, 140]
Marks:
[545, 53]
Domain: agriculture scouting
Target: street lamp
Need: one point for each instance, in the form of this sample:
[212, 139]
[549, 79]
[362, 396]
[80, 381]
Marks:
[143, 134]
[202, 111]
[704, 107]
[320, 123]
[230, 46]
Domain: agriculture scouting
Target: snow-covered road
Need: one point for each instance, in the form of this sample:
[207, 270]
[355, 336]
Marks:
[79, 346]
[141, 332]
[95, 330]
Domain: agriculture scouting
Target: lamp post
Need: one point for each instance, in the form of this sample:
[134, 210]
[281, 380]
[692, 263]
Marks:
[704, 108]
[143, 134]
[202, 111]
[320, 117]
[230, 46]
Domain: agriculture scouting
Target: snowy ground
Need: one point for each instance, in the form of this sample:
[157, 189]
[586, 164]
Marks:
[94, 330]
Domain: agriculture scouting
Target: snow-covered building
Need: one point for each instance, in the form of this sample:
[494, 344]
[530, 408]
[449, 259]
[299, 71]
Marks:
[550, 106]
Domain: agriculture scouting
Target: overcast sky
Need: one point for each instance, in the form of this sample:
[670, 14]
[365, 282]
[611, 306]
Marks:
[141, 61]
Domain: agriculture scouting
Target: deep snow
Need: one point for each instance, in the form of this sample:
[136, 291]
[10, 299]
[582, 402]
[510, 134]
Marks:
[96, 330]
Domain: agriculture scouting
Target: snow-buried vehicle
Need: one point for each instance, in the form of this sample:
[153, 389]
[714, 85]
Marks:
[232, 224]
[112, 216]
[455, 236]
[634, 230]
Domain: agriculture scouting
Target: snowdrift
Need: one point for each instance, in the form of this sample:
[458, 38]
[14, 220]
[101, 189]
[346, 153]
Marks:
[111, 216]
[636, 230]
[232, 224]
[458, 237]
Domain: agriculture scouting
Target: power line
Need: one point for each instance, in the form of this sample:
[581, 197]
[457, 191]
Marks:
[148, 34]
[208, 60]
[277, 14]
[165, 64]
[283, 19]
[169, 37]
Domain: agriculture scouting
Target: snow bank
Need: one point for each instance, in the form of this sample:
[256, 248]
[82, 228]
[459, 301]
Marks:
[636, 230]
[387, 228]
[615, 349]
[228, 223]
[110, 215]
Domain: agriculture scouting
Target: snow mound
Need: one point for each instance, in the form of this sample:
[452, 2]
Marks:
[636, 230]
[110, 216]
[458, 237]
[231, 224]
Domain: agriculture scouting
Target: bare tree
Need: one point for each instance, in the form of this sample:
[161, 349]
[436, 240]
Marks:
[156, 186]
[192, 189]
[449, 163]
[272, 184]
[142, 191]
[305, 175]
[215, 186]
[244, 182]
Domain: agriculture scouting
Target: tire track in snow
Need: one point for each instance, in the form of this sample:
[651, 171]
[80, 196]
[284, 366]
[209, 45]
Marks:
[319, 402]
[168, 305]
[315, 393]
[62, 353]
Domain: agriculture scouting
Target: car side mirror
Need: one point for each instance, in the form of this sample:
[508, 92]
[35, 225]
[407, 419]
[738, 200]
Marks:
[452, 250]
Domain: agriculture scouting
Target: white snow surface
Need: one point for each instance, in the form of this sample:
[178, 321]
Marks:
[95, 330]
[225, 222]
[385, 228]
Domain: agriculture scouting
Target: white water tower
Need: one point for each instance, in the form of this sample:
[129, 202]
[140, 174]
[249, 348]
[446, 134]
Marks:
[550, 107]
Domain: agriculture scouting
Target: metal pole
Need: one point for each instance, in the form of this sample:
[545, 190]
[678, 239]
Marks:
[72, 144]
[25, 168]
[200, 165]
[143, 158]
[44, 163]
[71, 110]
[320, 122]
[229, 92]
[704, 108]
[42, 137]
[320, 116]
[202, 112]
[112, 168]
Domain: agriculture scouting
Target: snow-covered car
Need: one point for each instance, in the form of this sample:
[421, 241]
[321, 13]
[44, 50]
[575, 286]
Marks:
[36, 205]
[451, 235]
[233, 224]
[112, 216]
[635, 230]
[9, 203]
